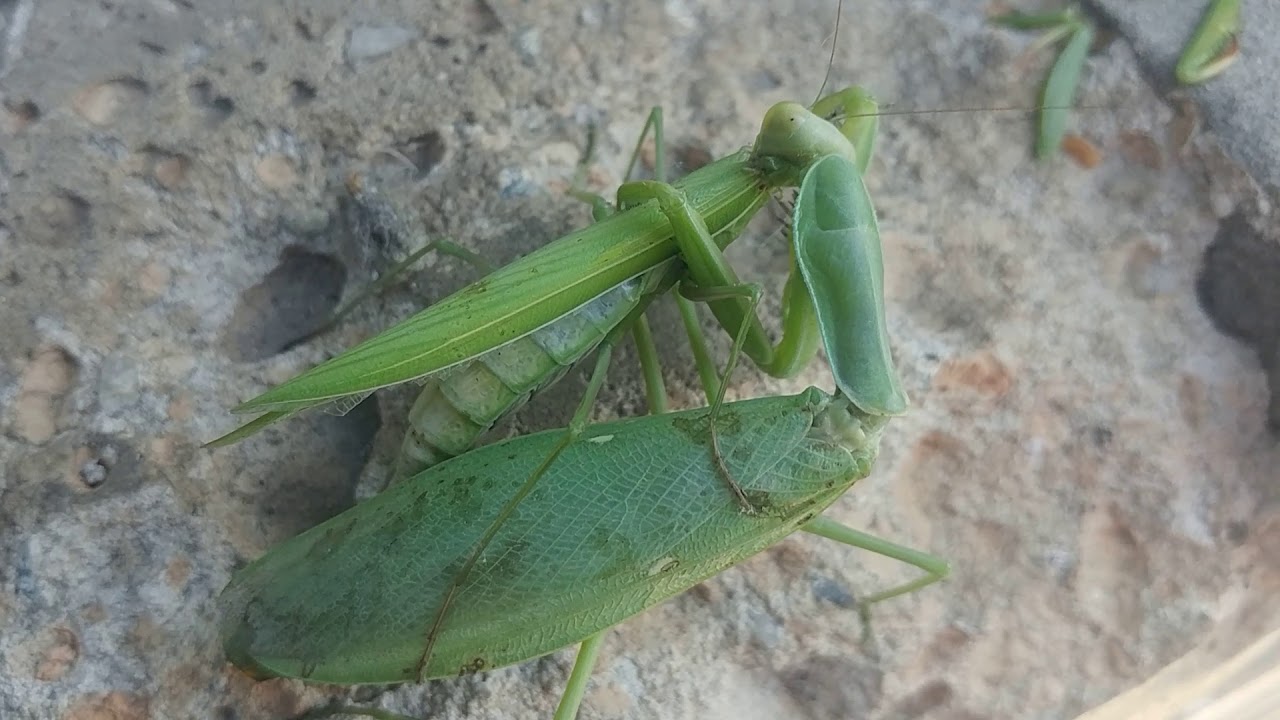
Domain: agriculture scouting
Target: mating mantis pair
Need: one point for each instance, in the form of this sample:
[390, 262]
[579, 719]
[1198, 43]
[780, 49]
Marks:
[520, 548]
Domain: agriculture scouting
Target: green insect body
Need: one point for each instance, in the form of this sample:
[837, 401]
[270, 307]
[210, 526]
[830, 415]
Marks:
[482, 352]
[459, 404]
[1059, 90]
[630, 515]
[516, 299]
[1213, 46]
[453, 571]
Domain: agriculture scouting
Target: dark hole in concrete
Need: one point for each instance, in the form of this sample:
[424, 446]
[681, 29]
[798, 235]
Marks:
[315, 474]
[425, 151]
[1239, 289]
[217, 108]
[482, 19]
[24, 110]
[301, 92]
[289, 304]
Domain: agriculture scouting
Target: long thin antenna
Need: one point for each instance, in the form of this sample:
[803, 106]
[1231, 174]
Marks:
[835, 37]
[942, 111]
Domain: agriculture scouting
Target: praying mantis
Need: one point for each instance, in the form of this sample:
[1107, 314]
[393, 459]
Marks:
[489, 346]
[742, 475]
[448, 573]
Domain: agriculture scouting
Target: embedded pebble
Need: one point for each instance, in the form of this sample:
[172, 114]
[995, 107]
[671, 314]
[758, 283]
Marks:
[153, 279]
[369, 41]
[99, 103]
[277, 172]
[46, 379]
[171, 171]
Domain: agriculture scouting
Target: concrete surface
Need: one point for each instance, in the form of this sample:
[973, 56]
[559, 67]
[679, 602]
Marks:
[1084, 446]
[1241, 105]
[1238, 285]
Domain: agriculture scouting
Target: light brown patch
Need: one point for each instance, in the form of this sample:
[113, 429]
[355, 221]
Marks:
[59, 655]
[1185, 123]
[276, 698]
[177, 571]
[981, 372]
[277, 172]
[45, 380]
[110, 706]
[1084, 153]
[181, 407]
[99, 103]
[1139, 147]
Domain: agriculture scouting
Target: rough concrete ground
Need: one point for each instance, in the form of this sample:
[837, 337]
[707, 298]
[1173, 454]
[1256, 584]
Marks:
[1238, 285]
[1087, 450]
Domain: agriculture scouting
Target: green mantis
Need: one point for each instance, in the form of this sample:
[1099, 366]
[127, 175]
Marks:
[1212, 48]
[463, 567]
[450, 573]
[1059, 88]
[495, 342]
[630, 515]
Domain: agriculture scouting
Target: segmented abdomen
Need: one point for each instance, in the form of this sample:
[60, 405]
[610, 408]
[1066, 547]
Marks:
[459, 404]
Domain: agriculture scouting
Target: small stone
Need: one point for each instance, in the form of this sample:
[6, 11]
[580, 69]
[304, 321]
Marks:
[46, 379]
[65, 218]
[368, 41]
[99, 103]
[529, 46]
[93, 473]
[171, 171]
[277, 172]
[153, 279]
[1084, 153]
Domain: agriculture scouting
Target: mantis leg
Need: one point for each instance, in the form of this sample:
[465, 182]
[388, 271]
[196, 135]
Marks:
[442, 245]
[751, 293]
[377, 217]
[655, 389]
[708, 268]
[576, 688]
[934, 567]
[1214, 46]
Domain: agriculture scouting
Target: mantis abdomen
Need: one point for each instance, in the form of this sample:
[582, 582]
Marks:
[462, 403]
